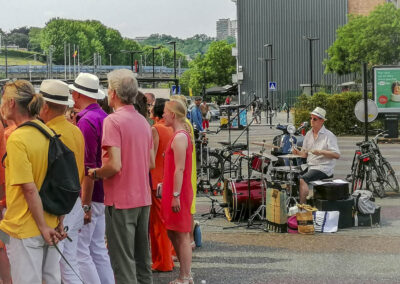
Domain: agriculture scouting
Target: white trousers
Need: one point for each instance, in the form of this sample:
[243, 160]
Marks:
[74, 222]
[94, 262]
[33, 261]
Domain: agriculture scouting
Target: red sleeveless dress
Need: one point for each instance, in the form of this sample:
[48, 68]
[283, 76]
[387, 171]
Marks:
[180, 221]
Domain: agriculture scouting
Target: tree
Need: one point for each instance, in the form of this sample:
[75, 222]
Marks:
[35, 39]
[214, 68]
[374, 39]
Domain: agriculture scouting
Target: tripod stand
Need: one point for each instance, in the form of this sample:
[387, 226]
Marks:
[213, 211]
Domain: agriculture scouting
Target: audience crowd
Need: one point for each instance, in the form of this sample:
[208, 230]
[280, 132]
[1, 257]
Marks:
[137, 170]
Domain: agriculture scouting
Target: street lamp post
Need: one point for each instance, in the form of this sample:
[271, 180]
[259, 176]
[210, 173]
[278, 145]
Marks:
[174, 43]
[132, 53]
[271, 76]
[310, 40]
[266, 71]
[154, 48]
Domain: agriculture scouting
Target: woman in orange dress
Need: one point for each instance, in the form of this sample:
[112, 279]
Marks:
[161, 246]
[177, 194]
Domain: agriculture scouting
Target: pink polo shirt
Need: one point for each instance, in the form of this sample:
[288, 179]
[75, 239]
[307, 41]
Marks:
[129, 131]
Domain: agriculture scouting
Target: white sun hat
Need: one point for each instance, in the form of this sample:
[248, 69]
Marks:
[55, 91]
[320, 112]
[88, 85]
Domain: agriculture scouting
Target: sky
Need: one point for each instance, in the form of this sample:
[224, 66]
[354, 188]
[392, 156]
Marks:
[180, 18]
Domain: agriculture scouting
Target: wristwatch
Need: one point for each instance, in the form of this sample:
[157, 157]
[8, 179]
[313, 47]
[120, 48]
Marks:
[86, 208]
[177, 194]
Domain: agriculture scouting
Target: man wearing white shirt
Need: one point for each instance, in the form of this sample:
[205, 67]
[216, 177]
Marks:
[321, 150]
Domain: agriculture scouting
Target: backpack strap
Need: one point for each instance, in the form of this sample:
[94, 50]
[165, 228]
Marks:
[38, 127]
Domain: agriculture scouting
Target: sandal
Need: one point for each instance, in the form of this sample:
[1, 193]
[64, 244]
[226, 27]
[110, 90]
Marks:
[180, 281]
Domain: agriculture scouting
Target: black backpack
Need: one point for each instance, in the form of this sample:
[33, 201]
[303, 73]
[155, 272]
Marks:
[61, 186]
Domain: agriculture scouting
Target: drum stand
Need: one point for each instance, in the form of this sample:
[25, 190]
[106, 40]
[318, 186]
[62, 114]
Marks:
[291, 180]
[213, 211]
[260, 212]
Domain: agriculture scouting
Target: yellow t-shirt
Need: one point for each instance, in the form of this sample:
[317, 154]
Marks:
[72, 137]
[194, 171]
[26, 162]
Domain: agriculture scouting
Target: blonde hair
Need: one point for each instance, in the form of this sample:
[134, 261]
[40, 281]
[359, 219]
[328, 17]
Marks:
[177, 107]
[25, 97]
[180, 98]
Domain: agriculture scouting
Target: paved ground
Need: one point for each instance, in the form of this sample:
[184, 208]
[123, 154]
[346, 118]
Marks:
[251, 255]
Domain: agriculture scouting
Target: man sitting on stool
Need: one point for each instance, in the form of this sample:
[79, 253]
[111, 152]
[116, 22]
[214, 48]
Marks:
[321, 149]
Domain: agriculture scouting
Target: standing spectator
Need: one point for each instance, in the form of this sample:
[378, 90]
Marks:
[126, 181]
[150, 104]
[161, 246]
[228, 100]
[177, 192]
[28, 231]
[189, 129]
[205, 109]
[55, 94]
[5, 273]
[195, 115]
[93, 258]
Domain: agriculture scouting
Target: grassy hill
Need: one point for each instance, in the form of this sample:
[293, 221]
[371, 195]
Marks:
[19, 61]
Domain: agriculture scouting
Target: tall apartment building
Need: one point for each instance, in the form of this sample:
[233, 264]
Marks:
[225, 28]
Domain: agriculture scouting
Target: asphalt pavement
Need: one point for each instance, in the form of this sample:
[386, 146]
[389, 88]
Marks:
[239, 253]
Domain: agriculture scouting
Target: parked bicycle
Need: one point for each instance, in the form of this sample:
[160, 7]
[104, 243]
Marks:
[371, 168]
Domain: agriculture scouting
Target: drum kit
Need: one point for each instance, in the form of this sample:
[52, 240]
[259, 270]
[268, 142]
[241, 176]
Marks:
[246, 198]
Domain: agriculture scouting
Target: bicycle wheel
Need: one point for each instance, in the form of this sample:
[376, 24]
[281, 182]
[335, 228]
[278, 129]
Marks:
[357, 177]
[216, 168]
[391, 183]
[375, 179]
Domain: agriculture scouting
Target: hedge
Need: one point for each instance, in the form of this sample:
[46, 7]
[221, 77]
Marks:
[339, 108]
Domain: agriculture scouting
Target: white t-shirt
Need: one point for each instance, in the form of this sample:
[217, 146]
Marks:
[326, 140]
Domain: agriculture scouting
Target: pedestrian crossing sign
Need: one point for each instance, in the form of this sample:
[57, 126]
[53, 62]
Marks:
[272, 86]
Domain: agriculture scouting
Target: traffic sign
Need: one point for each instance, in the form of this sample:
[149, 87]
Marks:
[174, 91]
[272, 86]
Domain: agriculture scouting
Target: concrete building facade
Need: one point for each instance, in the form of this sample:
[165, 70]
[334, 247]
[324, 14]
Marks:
[284, 25]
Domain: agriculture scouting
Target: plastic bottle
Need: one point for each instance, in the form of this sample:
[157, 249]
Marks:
[197, 234]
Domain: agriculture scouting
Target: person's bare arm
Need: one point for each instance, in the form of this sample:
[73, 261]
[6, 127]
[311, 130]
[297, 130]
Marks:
[326, 153]
[87, 192]
[156, 141]
[31, 195]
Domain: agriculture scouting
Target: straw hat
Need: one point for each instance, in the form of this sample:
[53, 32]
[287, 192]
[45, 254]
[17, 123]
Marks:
[55, 91]
[320, 112]
[88, 85]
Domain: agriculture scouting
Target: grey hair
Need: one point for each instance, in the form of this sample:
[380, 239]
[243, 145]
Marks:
[124, 83]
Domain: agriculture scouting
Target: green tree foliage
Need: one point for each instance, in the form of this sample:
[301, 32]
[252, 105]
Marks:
[374, 39]
[35, 39]
[214, 68]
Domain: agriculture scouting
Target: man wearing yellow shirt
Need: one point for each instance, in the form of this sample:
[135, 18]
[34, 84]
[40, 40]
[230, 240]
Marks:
[28, 231]
[56, 94]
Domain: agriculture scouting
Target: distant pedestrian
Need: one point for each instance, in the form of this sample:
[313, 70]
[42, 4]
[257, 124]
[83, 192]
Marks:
[195, 115]
[93, 258]
[127, 156]
[177, 192]
[56, 93]
[28, 231]
[205, 115]
[228, 100]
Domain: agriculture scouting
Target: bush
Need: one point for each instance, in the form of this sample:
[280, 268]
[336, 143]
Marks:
[339, 110]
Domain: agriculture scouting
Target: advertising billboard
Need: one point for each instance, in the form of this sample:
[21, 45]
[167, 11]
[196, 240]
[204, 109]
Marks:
[387, 88]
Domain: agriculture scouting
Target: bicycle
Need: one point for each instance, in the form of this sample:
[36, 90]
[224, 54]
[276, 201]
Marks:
[369, 165]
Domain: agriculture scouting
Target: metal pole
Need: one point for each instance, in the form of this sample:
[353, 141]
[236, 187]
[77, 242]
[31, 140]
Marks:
[153, 62]
[69, 61]
[6, 59]
[311, 77]
[365, 94]
[65, 61]
[79, 68]
[110, 59]
[132, 61]
[175, 61]
[266, 100]
[74, 63]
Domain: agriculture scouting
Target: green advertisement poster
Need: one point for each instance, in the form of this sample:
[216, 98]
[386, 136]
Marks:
[387, 88]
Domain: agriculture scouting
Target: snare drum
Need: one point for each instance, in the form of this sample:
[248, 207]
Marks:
[236, 195]
[284, 174]
[256, 163]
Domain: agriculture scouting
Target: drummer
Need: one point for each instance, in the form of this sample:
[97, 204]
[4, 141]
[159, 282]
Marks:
[321, 150]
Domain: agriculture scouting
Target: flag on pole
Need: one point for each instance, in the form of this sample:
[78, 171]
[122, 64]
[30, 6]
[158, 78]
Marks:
[75, 53]
[190, 92]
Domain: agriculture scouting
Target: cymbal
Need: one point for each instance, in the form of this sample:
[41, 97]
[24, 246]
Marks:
[264, 144]
[253, 153]
[290, 156]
